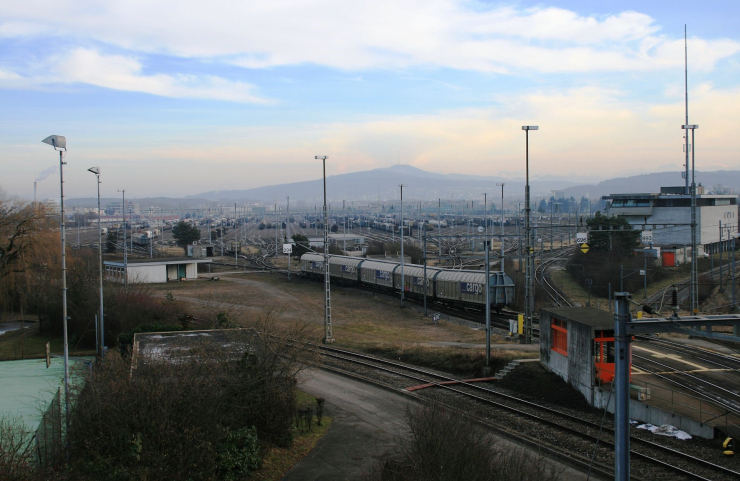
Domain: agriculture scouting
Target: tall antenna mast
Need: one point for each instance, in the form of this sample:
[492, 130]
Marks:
[686, 90]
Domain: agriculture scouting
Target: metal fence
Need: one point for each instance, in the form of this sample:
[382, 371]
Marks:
[49, 434]
[685, 405]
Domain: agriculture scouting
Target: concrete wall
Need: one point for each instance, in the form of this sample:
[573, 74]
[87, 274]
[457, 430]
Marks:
[650, 414]
[146, 274]
[707, 219]
[191, 271]
[577, 367]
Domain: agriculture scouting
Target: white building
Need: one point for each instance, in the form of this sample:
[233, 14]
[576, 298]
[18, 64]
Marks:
[668, 216]
[152, 271]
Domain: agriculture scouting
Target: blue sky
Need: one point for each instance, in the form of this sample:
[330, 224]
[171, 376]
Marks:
[180, 97]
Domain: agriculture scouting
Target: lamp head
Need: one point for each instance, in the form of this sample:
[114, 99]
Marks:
[321, 157]
[59, 142]
[530, 127]
[94, 170]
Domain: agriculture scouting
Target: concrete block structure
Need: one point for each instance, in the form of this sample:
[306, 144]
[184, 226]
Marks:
[152, 271]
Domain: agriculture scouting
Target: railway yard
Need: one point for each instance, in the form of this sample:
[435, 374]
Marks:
[695, 377]
[380, 342]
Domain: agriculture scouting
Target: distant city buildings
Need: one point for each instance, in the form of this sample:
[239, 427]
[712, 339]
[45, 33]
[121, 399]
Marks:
[115, 208]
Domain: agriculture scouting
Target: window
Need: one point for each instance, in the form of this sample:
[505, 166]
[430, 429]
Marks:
[559, 336]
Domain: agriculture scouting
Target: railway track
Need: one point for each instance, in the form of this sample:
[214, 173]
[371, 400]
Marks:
[520, 414]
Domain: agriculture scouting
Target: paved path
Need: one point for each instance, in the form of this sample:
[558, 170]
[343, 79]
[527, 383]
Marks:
[367, 423]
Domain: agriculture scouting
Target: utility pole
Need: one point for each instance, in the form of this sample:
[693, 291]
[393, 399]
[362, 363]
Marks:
[100, 340]
[487, 247]
[236, 241]
[694, 275]
[502, 225]
[529, 272]
[439, 227]
[328, 337]
[125, 255]
[403, 260]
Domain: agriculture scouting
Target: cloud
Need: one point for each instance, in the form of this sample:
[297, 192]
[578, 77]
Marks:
[366, 34]
[88, 66]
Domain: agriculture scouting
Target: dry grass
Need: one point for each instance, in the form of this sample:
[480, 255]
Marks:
[360, 319]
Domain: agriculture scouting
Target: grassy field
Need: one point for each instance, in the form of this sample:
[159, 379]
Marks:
[360, 318]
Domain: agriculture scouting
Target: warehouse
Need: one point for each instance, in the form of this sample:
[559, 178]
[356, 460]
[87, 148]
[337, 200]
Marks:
[152, 271]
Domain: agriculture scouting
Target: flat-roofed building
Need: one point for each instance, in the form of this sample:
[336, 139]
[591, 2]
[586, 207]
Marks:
[668, 215]
[152, 271]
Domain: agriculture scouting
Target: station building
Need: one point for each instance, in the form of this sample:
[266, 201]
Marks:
[152, 271]
[668, 215]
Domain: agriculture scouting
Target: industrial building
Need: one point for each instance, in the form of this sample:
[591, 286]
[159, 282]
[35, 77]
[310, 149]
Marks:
[152, 271]
[668, 215]
[200, 250]
[577, 344]
[352, 241]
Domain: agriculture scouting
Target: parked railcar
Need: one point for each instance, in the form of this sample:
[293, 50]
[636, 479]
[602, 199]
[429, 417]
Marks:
[378, 273]
[312, 264]
[345, 267]
[413, 279]
[451, 286]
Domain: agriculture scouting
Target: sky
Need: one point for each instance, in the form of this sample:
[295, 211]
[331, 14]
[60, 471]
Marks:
[172, 98]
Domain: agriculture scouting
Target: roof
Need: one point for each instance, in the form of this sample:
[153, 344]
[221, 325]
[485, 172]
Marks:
[175, 346]
[379, 265]
[159, 262]
[583, 315]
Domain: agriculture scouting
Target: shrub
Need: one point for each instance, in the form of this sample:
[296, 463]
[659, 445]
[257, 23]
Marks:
[238, 454]
[443, 445]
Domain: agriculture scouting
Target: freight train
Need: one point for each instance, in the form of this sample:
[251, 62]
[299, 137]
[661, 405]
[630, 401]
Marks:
[454, 287]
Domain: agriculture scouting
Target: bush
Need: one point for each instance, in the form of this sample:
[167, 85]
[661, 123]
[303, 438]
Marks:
[443, 445]
[199, 415]
[239, 454]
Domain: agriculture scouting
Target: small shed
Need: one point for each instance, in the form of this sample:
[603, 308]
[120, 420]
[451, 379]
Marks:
[577, 344]
[152, 271]
[200, 250]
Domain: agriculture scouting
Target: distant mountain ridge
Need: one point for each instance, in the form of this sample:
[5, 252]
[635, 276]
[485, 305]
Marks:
[646, 183]
[421, 185]
[382, 183]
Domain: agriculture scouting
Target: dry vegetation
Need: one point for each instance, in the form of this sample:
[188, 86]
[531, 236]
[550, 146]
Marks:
[360, 319]
[444, 446]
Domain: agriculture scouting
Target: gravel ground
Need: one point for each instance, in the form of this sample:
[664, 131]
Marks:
[548, 435]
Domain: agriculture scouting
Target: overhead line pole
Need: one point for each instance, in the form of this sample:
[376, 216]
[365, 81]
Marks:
[328, 338]
[529, 284]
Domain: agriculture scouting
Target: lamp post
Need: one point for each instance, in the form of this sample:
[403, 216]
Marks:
[502, 225]
[125, 255]
[59, 143]
[694, 276]
[403, 285]
[101, 335]
[328, 338]
[529, 284]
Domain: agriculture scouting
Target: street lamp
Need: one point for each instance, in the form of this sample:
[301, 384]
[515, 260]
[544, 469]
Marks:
[101, 335]
[60, 144]
[529, 284]
[328, 338]
[403, 286]
[125, 254]
[502, 225]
